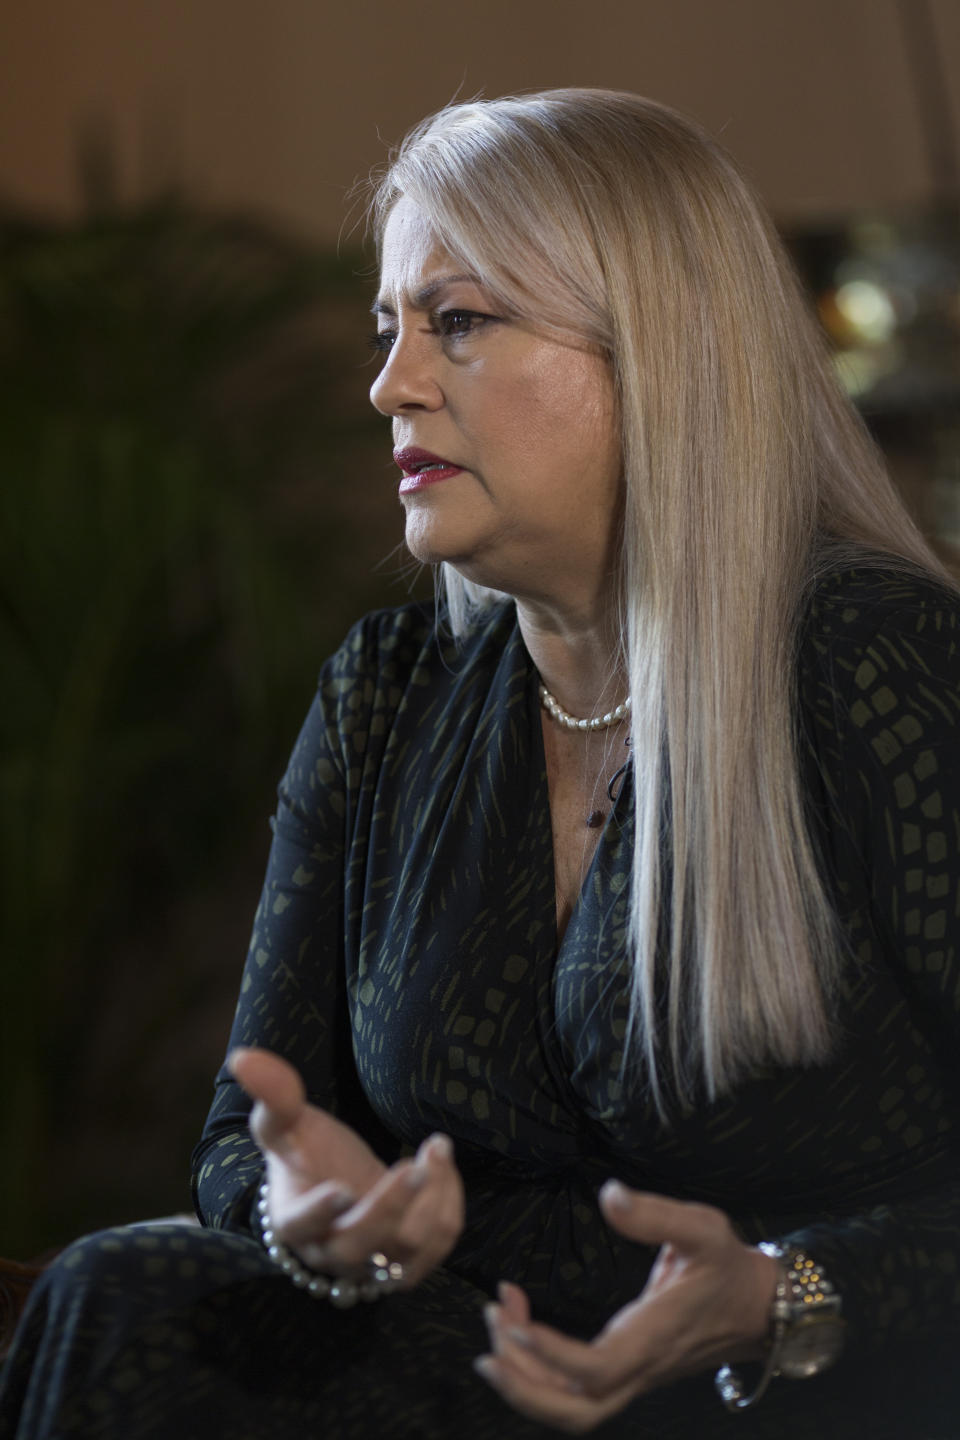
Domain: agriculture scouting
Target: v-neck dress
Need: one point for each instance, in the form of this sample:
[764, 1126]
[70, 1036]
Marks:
[404, 958]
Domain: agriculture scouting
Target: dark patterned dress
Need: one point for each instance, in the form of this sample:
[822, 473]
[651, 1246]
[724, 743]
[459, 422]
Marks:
[404, 958]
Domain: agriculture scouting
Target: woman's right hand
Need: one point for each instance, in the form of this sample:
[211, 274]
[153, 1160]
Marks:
[331, 1199]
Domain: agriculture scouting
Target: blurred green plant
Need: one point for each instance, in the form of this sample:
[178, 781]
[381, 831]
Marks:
[172, 396]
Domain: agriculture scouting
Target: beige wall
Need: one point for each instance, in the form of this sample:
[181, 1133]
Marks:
[279, 105]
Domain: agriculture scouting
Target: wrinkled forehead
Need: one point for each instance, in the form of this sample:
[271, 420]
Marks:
[411, 256]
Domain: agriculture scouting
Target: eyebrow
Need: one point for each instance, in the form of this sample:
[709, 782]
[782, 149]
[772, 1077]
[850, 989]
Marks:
[420, 299]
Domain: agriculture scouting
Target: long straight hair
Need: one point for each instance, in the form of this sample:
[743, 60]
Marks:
[613, 220]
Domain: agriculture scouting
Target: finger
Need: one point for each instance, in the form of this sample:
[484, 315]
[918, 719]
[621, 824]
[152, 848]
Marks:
[507, 1325]
[441, 1197]
[514, 1305]
[275, 1087]
[434, 1161]
[522, 1359]
[545, 1402]
[436, 1149]
[374, 1222]
[656, 1220]
[307, 1219]
[413, 1214]
[432, 1224]
[575, 1359]
[619, 1356]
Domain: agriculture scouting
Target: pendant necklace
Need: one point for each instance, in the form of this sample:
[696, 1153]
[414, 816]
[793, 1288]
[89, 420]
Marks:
[567, 721]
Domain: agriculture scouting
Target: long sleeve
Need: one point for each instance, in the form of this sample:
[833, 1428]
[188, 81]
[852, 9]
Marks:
[888, 713]
[292, 995]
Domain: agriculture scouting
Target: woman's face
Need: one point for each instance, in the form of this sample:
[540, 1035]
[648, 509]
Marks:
[518, 432]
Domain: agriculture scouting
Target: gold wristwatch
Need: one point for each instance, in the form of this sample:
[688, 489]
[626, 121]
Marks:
[813, 1330]
[807, 1329]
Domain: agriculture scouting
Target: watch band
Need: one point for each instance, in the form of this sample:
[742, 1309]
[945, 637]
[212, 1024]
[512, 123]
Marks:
[811, 1308]
[804, 1302]
[728, 1382]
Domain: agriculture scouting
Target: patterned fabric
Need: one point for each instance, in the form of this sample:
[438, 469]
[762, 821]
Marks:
[404, 958]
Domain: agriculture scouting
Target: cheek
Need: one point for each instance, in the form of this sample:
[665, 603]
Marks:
[562, 412]
[572, 416]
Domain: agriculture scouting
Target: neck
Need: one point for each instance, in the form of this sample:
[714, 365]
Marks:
[577, 655]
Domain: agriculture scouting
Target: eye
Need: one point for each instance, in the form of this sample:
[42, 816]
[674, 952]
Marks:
[453, 324]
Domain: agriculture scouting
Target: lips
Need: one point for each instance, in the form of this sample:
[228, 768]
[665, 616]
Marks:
[422, 467]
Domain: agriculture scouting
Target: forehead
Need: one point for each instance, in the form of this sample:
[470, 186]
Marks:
[411, 257]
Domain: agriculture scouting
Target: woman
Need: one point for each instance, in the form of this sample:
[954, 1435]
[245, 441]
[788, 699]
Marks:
[643, 867]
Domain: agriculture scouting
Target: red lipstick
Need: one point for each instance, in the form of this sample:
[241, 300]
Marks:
[421, 468]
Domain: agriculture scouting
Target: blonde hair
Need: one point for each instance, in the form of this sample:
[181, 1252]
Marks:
[613, 219]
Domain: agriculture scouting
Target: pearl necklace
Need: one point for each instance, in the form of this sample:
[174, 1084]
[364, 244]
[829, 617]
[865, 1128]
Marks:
[570, 722]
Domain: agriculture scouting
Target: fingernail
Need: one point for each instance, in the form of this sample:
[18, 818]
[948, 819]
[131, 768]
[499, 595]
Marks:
[341, 1201]
[614, 1193]
[483, 1365]
[415, 1178]
[520, 1337]
[441, 1146]
[491, 1313]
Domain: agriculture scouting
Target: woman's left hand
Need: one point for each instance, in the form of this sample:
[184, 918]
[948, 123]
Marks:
[707, 1303]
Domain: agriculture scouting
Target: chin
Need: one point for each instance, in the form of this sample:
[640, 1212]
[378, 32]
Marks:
[474, 550]
[465, 565]
[432, 544]
[426, 553]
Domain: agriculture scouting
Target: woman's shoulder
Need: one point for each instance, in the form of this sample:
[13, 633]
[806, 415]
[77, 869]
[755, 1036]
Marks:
[396, 670]
[852, 606]
[880, 642]
[400, 640]
[404, 660]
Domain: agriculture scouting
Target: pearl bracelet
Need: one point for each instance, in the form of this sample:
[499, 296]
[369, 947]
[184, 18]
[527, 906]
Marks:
[382, 1275]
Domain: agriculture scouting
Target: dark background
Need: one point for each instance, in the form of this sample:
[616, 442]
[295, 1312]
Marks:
[195, 502]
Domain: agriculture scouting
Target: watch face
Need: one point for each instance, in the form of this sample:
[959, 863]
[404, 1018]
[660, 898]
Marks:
[811, 1344]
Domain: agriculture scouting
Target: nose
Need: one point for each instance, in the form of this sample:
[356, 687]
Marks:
[408, 380]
